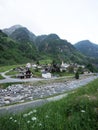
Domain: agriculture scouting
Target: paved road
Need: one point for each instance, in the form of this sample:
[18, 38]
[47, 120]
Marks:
[12, 80]
[8, 79]
[14, 109]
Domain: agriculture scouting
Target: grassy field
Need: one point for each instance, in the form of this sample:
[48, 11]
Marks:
[5, 68]
[78, 111]
[12, 72]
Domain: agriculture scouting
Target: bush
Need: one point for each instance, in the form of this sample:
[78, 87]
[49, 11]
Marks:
[77, 75]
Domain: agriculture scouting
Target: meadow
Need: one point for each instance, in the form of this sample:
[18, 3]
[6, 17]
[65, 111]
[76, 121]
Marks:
[77, 111]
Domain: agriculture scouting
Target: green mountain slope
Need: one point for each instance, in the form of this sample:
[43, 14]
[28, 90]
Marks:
[12, 52]
[26, 46]
[26, 39]
[22, 35]
[88, 48]
[58, 49]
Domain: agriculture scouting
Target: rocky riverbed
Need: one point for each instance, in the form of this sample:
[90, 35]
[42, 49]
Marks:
[21, 92]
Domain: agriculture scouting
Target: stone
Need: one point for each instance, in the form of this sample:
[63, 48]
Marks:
[7, 102]
[7, 98]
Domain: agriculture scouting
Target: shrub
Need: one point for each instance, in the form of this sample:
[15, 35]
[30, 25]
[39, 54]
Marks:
[77, 75]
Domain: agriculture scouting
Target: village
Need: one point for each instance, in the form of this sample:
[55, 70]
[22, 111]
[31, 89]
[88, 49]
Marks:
[49, 70]
[34, 81]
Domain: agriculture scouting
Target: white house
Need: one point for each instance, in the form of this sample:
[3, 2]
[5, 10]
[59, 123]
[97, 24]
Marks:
[34, 66]
[28, 65]
[64, 66]
[46, 75]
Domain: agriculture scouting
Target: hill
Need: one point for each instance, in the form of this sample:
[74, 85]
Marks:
[10, 30]
[12, 52]
[88, 48]
[45, 47]
[54, 47]
[22, 35]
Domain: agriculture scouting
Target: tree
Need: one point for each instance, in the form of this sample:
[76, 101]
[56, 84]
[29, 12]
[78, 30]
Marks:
[37, 62]
[77, 75]
[71, 69]
[80, 70]
[90, 67]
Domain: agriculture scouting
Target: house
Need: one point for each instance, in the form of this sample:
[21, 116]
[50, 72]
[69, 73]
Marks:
[24, 74]
[34, 66]
[46, 75]
[28, 74]
[28, 65]
[21, 75]
[64, 66]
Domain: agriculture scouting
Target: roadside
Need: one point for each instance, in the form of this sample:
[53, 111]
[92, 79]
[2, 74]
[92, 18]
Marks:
[8, 78]
[27, 105]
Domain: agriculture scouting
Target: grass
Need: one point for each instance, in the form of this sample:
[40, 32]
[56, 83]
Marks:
[12, 72]
[47, 61]
[78, 111]
[5, 68]
[36, 73]
[60, 74]
[5, 85]
[1, 77]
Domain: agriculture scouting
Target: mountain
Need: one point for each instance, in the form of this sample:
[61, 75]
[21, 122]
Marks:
[22, 34]
[47, 46]
[21, 45]
[55, 48]
[87, 48]
[12, 52]
[10, 30]
[26, 39]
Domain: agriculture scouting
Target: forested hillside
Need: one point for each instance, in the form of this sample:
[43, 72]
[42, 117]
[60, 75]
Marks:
[19, 45]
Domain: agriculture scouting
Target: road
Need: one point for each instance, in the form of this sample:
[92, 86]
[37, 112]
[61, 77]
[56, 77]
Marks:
[14, 109]
[8, 79]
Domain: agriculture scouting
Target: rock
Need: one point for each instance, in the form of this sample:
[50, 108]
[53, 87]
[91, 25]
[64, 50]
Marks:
[7, 98]
[21, 101]
[7, 102]
[22, 93]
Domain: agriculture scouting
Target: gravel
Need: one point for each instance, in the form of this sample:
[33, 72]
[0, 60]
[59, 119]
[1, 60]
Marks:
[21, 93]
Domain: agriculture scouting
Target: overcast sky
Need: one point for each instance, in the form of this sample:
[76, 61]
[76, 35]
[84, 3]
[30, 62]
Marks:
[73, 20]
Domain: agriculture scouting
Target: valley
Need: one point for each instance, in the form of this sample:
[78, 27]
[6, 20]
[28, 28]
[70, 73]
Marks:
[59, 73]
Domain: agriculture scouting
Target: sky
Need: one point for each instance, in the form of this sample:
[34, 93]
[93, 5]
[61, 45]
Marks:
[73, 20]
